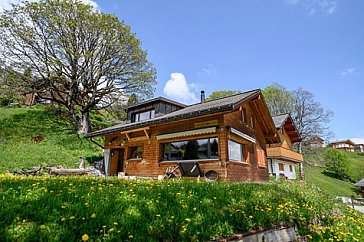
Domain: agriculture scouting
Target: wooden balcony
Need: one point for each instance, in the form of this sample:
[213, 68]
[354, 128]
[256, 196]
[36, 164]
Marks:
[281, 153]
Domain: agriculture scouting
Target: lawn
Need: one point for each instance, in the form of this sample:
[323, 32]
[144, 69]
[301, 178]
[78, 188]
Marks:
[61, 146]
[314, 173]
[76, 208]
[331, 185]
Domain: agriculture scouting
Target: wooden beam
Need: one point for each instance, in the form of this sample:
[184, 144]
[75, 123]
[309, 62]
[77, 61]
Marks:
[127, 136]
[134, 130]
[146, 133]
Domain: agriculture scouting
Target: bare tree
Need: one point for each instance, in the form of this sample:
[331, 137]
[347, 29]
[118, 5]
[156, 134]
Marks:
[76, 56]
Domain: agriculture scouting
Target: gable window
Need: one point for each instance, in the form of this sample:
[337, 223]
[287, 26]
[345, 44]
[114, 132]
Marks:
[200, 149]
[237, 152]
[243, 115]
[281, 166]
[137, 117]
[135, 152]
[252, 122]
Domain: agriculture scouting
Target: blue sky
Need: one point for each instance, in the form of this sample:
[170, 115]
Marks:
[242, 45]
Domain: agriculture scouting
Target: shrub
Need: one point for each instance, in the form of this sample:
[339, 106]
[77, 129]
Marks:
[337, 162]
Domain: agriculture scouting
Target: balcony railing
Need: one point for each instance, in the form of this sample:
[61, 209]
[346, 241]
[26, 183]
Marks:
[283, 153]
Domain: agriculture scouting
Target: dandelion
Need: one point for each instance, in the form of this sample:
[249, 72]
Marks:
[63, 206]
[115, 223]
[84, 237]
[42, 226]
[131, 236]
[188, 219]
[63, 219]
[72, 217]
[111, 230]
[93, 215]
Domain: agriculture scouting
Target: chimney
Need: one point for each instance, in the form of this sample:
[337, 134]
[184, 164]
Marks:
[202, 96]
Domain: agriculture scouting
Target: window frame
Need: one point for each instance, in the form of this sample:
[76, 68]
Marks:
[130, 152]
[243, 151]
[279, 166]
[209, 151]
[134, 116]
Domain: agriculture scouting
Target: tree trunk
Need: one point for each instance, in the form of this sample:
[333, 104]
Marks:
[84, 124]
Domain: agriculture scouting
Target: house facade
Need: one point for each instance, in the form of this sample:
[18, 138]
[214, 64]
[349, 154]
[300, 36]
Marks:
[281, 157]
[344, 145]
[359, 148]
[316, 142]
[226, 137]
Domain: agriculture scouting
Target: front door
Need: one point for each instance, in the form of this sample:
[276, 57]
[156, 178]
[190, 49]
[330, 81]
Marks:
[116, 161]
[120, 161]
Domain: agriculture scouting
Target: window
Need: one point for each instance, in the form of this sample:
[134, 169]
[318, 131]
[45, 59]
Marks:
[237, 152]
[136, 117]
[290, 168]
[252, 122]
[135, 152]
[243, 115]
[191, 150]
[281, 166]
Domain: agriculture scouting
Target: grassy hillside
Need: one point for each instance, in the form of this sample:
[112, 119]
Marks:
[61, 146]
[315, 175]
[69, 209]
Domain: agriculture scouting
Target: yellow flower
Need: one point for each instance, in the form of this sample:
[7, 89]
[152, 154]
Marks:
[63, 219]
[42, 226]
[158, 215]
[188, 219]
[84, 237]
[112, 229]
[72, 217]
[93, 215]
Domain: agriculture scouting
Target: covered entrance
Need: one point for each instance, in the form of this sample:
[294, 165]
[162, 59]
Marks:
[116, 161]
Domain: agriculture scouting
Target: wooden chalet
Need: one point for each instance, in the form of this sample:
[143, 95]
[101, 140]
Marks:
[316, 142]
[281, 157]
[224, 138]
[344, 145]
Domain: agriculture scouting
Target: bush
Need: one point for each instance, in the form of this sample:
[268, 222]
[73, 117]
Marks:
[337, 162]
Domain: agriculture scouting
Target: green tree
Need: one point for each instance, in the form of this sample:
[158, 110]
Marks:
[310, 117]
[279, 100]
[337, 162]
[78, 57]
[220, 94]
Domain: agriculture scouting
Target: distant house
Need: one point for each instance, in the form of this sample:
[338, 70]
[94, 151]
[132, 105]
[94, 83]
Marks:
[224, 138]
[281, 157]
[360, 184]
[316, 142]
[344, 145]
[32, 98]
[359, 147]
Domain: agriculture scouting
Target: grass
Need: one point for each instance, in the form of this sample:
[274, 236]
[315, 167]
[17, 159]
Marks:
[331, 185]
[72, 208]
[61, 146]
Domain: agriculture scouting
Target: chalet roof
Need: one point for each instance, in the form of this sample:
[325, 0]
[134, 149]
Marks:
[360, 183]
[156, 100]
[285, 120]
[219, 105]
[346, 141]
[280, 119]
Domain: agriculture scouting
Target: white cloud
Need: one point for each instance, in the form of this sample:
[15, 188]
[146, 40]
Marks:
[326, 7]
[209, 70]
[178, 89]
[6, 4]
[349, 71]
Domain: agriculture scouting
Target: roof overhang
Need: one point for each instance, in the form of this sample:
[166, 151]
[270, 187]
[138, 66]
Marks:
[210, 130]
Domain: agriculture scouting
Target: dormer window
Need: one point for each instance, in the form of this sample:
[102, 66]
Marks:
[137, 117]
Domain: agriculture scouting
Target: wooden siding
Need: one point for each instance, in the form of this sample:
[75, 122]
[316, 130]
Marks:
[254, 169]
